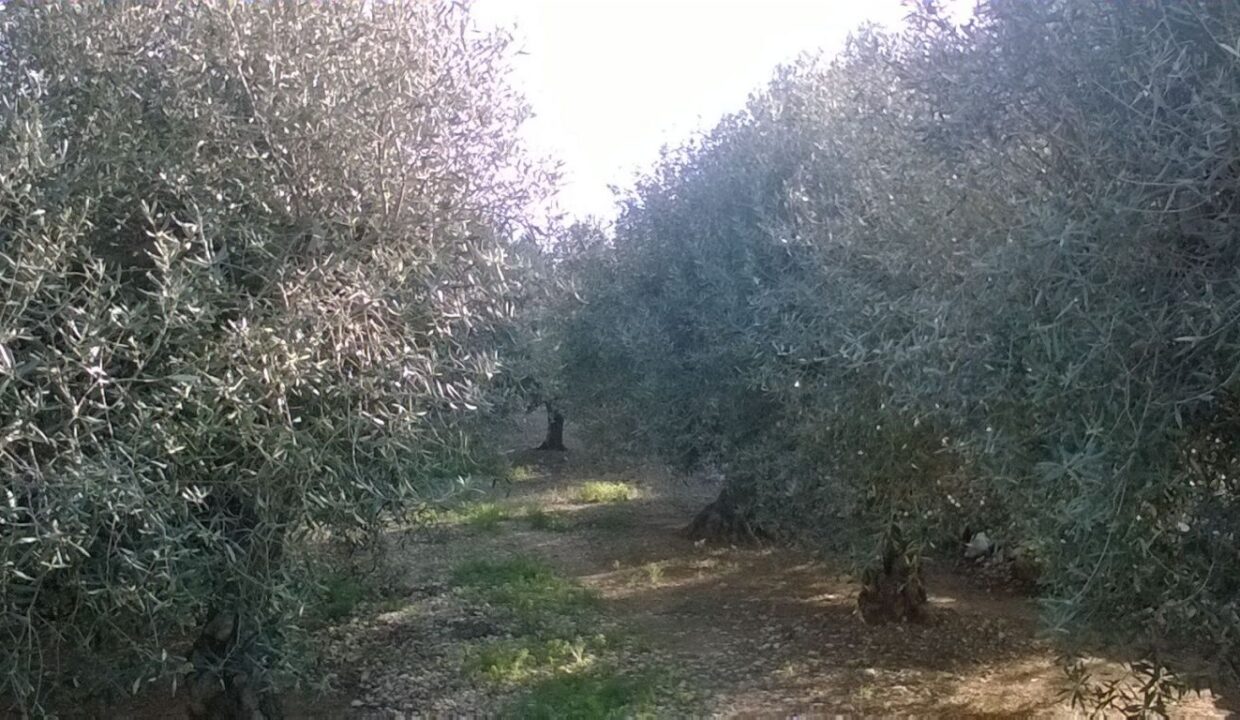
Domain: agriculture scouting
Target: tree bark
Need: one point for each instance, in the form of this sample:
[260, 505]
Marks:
[555, 430]
[226, 681]
[727, 520]
[893, 590]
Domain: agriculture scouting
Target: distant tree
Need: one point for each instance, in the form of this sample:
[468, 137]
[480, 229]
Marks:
[536, 363]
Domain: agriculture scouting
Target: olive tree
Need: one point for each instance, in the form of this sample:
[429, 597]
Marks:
[961, 274]
[254, 267]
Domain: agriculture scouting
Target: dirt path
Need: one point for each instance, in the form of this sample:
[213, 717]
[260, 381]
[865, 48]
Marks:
[738, 632]
[771, 632]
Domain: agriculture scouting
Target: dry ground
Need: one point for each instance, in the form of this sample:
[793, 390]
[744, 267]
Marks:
[744, 632]
[736, 632]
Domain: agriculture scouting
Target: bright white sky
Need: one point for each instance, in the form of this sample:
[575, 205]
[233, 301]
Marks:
[611, 81]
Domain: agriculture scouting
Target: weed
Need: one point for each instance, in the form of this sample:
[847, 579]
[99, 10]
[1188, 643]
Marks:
[529, 589]
[422, 515]
[339, 597]
[520, 659]
[865, 692]
[654, 572]
[791, 670]
[540, 519]
[598, 491]
[521, 473]
[595, 694]
[482, 516]
[340, 592]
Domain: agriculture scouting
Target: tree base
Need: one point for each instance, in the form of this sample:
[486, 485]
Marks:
[724, 522]
[555, 431]
[226, 683]
[894, 592]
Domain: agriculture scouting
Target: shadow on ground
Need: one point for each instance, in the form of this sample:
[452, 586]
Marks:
[767, 631]
[748, 632]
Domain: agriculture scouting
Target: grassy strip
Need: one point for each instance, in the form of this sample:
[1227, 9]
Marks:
[557, 655]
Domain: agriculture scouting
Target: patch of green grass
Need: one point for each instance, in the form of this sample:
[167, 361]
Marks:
[340, 592]
[499, 573]
[482, 516]
[426, 515]
[540, 519]
[529, 589]
[596, 694]
[598, 491]
[654, 572]
[520, 659]
[521, 473]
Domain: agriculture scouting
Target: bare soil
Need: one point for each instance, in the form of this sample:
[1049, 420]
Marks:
[744, 631]
[773, 632]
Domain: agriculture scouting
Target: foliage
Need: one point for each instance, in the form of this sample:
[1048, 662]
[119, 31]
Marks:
[1154, 692]
[533, 375]
[253, 276]
[978, 275]
[556, 268]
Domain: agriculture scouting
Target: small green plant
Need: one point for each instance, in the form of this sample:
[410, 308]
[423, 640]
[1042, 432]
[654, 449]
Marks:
[425, 516]
[654, 572]
[599, 491]
[504, 662]
[485, 517]
[539, 519]
[499, 573]
[339, 595]
[528, 588]
[595, 694]
[521, 659]
[522, 473]
[790, 670]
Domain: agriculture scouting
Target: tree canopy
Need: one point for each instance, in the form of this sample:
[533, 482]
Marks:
[974, 275]
[254, 267]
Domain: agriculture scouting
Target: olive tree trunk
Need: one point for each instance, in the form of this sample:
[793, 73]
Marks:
[555, 430]
[729, 519]
[892, 591]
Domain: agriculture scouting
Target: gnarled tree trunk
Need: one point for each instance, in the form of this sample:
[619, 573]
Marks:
[230, 676]
[729, 519]
[555, 430]
[226, 681]
[893, 591]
